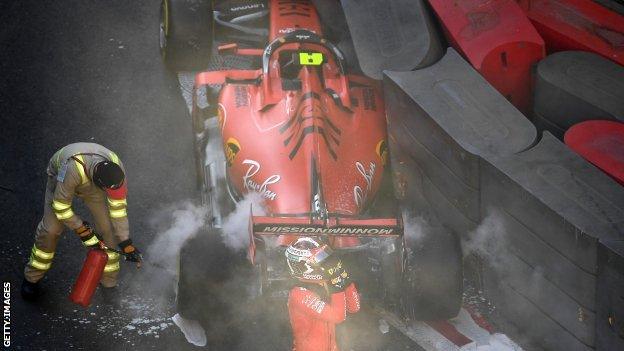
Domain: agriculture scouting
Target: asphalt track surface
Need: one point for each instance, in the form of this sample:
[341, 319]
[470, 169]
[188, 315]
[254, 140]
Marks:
[86, 70]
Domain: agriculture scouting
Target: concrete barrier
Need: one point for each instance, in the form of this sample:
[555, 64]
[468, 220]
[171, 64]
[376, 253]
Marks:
[537, 308]
[559, 196]
[610, 296]
[392, 35]
[575, 86]
[459, 149]
[444, 119]
[555, 208]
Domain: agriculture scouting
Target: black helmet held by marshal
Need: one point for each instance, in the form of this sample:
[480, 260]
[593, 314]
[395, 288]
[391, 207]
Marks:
[108, 175]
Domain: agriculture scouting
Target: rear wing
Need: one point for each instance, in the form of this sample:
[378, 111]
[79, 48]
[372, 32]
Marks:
[306, 226]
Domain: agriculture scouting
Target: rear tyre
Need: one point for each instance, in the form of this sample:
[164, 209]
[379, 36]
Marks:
[432, 281]
[185, 37]
[211, 277]
[390, 260]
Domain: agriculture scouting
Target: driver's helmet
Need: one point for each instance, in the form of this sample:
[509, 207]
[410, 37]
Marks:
[304, 257]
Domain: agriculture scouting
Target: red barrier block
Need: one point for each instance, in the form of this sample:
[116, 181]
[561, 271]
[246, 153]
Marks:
[601, 143]
[497, 39]
[578, 25]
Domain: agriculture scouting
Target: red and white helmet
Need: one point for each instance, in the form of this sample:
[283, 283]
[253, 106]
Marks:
[304, 257]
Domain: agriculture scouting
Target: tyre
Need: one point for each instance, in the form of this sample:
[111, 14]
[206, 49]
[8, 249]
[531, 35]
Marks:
[211, 276]
[432, 281]
[186, 34]
[390, 260]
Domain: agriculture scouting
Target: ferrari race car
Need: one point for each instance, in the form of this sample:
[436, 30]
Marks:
[298, 125]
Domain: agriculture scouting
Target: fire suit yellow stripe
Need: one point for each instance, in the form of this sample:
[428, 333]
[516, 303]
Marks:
[81, 169]
[118, 213]
[42, 254]
[38, 265]
[60, 206]
[117, 203]
[114, 158]
[111, 267]
[112, 256]
[64, 215]
[92, 241]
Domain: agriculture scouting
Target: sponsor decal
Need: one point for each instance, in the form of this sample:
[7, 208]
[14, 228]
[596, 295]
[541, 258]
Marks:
[232, 148]
[293, 253]
[247, 7]
[252, 185]
[335, 269]
[308, 273]
[321, 230]
[344, 275]
[360, 195]
[286, 30]
[382, 151]
[355, 297]
[314, 303]
[292, 29]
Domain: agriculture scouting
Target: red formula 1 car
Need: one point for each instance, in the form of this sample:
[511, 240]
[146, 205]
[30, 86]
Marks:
[298, 126]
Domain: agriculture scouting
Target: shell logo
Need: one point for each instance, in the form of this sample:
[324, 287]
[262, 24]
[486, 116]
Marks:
[382, 151]
[232, 148]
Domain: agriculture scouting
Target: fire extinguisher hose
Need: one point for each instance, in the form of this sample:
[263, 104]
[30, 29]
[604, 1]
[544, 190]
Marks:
[104, 247]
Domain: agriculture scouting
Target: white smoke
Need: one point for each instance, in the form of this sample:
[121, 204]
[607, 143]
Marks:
[235, 229]
[414, 227]
[148, 314]
[488, 240]
[184, 222]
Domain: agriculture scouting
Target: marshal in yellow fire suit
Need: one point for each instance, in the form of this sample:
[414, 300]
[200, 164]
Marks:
[71, 174]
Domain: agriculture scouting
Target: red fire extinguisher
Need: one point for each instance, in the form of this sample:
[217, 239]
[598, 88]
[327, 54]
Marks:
[89, 277]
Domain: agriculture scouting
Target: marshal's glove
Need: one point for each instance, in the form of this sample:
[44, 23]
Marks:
[336, 274]
[130, 252]
[89, 238]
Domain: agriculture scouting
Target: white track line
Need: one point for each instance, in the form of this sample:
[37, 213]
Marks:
[431, 340]
[422, 334]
